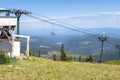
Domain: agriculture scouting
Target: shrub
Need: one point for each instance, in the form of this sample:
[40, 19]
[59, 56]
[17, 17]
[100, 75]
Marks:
[31, 53]
[69, 58]
[80, 58]
[89, 59]
[54, 57]
[2, 59]
[5, 58]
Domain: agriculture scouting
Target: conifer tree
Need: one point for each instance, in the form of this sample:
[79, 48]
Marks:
[54, 57]
[63, 56]
[39, 54]
[80, 58]
[31, 53]
[91, 58]
[69, 58]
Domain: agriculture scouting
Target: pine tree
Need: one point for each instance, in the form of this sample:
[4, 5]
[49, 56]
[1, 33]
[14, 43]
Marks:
[31, 53]
[91, 58]
[80, 58]
[54, 57]
[69, 58]
[87, 59]
[39, 54]
[63, 56]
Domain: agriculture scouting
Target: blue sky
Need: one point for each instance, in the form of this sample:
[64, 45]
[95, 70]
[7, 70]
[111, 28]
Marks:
[63, 7]
[82, 13]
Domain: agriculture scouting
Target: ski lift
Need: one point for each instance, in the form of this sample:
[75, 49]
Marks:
[53, 33]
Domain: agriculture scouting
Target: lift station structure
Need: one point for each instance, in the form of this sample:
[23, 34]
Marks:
[9, 21]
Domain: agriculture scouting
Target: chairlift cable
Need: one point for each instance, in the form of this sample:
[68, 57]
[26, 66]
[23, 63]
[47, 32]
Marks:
[62, 22]
[60, 25]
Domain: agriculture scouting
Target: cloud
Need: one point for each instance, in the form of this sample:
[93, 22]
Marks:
[86, 42]
[44, 46]
[109, 13]
[59, 43]
[102, 19]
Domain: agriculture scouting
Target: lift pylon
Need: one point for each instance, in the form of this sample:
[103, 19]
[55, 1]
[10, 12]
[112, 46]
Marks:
[102, 38]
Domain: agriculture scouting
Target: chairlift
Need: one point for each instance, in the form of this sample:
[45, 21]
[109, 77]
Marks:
[53, 33]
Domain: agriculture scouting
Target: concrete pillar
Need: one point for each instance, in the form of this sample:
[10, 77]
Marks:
[11, 54]
[27, 47]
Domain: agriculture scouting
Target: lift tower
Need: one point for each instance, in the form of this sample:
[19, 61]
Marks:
[102, 38]
[18, 14]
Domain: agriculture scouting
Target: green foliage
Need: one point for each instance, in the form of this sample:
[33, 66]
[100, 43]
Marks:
[80, 58]
[87, 59]
[2, 59]
[63, 56]
[31, 53]
[69, 58]
[5, 58]
[116, 62]
[39, 54]
[54, 57]
[90, 58]
[13, 59]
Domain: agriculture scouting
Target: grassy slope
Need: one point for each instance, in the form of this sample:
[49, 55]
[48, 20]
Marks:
[41, 69]
[117, 62]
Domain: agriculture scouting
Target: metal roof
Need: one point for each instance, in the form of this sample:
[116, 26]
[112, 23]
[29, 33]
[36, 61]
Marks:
[4, 9]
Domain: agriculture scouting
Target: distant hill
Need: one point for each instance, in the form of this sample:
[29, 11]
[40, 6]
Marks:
[113, 32]
[78, 43]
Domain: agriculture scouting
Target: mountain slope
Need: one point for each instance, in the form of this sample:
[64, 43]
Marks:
[77, 43]
[41, 69]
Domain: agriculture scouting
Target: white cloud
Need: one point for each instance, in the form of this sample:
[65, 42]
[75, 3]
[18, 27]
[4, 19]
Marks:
[109, 13]
[86, 42]
[102, 19]
[44, 46]
[59, 43]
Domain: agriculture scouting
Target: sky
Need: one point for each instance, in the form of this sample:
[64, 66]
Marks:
[81, 13]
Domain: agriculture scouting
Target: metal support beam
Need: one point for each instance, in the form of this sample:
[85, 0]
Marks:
[102, 39]
[27, 45]
[18, 14]
[18, 21]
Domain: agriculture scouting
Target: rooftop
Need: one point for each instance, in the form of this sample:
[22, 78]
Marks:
[4, 9]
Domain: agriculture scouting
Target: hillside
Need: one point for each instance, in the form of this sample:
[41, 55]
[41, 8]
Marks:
[41, 69]
[74, 44]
